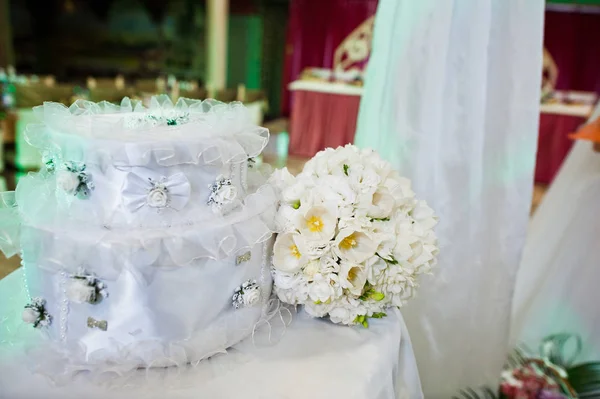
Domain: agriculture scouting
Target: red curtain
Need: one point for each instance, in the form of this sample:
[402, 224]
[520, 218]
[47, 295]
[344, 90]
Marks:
[315, 29]
[573, 40]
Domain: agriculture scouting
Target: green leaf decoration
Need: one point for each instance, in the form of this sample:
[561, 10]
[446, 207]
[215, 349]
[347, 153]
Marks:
[346, 169]
[378, 296]
[367, 289]
[380, 219]
[585, 379]
[360, 319]
[378, 315]
[391, 260]
[370, 293]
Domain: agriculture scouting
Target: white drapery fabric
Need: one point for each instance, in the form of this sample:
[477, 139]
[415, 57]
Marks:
[452, 100]
[557, 284]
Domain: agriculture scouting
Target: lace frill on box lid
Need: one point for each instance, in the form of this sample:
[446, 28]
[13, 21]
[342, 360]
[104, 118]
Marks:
[190, 131]
[218, 238]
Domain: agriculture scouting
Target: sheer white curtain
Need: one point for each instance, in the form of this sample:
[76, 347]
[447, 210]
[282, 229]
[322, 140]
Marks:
[557, 285]
[452, 99]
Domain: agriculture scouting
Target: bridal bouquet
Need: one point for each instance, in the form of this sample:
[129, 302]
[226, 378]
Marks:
[353, 238]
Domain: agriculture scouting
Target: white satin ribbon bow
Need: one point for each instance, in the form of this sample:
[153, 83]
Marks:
[144, 188]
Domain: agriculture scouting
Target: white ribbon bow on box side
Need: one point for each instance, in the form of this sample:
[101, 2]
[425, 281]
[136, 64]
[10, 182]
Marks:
[145, 189]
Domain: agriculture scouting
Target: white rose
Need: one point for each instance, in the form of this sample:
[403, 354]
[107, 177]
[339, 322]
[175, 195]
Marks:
[317, 310]
[329, 264]
[382, 204]
[353, 277]
[403, 249]
[286, 281]
[399, 187]
[312, 268]
[79, 291]
[345, 310]
[30, 315]
[282, 178]
[285, 218]
[157, 198]
[317, 165]
[321, 289]
[377, 270]
[372, 158]
[424, 215]
[226, 194]
[292, 297]
[341, 159]
[316, 250]
[363, 179]
[288, 252]
[293, 193]
[251, 296]
[67, 181]
[334, 189]
[386, 245]
[290, 288]
[341, 315]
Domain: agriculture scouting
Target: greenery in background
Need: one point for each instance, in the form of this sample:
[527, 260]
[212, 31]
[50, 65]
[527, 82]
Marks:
[105, 37]
[576, 2]
[574, 380]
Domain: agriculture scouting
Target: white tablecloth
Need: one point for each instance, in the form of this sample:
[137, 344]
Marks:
[326, 87]
[313, 359]
[581, 110]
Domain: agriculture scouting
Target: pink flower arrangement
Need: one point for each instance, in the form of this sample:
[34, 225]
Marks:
[529, 381]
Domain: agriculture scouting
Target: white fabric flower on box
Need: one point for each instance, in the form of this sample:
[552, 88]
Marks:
[251, 296]
[246, 295]
[79, 291]
[73, 179]
[226, 194]
[223, 195]
[144, 188]
[67, 181]
[158, 196]
[288, 252]
[354, 246]
[30, 315]
[84, 287]
[35, 313]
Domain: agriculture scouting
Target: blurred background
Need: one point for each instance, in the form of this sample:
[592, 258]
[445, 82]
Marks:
[298, 65]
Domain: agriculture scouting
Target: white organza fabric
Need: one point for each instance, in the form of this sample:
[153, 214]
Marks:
[207, 132]
[557, 284]
[145, 229]
[451, 99]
